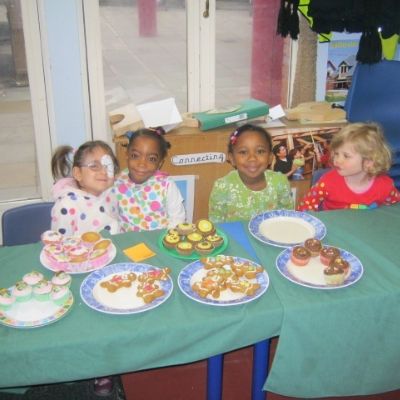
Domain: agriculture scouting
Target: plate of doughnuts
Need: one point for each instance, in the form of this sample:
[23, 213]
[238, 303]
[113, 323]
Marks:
[223, 280]
[190, 241]
[319, 266]
[126, 288]
[286, 228]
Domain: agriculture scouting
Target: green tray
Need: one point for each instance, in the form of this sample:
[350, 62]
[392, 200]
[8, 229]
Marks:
[194, 255]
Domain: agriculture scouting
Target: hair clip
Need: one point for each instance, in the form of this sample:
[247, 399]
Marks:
[159, 130]
[233, 137]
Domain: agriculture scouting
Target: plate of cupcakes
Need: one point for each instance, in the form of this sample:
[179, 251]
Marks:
[190, 241]
[223, 280]
[35, 300]
[76, 254]
[319, 266]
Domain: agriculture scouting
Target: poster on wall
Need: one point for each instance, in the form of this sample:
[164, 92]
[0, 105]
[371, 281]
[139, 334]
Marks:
[339, 69]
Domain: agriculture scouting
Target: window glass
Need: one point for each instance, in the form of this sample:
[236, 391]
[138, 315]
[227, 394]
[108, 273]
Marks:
[144, 51]
[18, 167]
[233, 46]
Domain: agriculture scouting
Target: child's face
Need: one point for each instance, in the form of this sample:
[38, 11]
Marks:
[282, 153]
[349, 162]
[250, 156]
[143, 159]
[96, 173]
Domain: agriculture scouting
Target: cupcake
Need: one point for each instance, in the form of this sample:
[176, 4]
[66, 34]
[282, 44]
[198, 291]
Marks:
[6, 299]
[90, 238]
[184, 248]
[59, 295]
[314, 246]
[51, 237]
[215, 239]
[99, 258]
[205, 227]
[32, 278]
[300, 256]
[341, 263]
[70, 242]
[173, 231]
[21, 291]
[78, 254]
[171, 240]
[102, 244]
[333, 275]
[204, 247]
[61, 278]
[194, 237]
[41, 291]
[185, 228]
[327, 254]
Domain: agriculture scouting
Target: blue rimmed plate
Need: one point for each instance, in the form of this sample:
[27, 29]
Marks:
[34, 313]
[311, 275]
[286, 228]
[194, 272]
[124, 300]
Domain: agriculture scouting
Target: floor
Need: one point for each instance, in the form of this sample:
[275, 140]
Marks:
[189, 381]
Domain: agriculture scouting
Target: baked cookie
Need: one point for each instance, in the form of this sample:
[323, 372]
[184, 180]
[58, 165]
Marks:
[149, 291]
[118, 281]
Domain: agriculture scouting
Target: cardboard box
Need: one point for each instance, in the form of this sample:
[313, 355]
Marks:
[126, 118]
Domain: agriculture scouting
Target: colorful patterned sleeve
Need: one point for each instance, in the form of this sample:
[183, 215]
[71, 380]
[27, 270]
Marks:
[392, 197]
[217, 202]
[314, 198]
[64, 216]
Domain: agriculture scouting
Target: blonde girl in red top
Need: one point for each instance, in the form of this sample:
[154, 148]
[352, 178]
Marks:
[361, 159]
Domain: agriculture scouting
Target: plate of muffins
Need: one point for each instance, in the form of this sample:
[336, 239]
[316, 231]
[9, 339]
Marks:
[223, 280]
[76, 254]
[35, 300]
[190, 241]
[319, 266]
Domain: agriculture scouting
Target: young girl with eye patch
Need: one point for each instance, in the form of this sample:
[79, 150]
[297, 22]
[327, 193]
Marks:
[148, 199]
[83, 190]
[251, 188]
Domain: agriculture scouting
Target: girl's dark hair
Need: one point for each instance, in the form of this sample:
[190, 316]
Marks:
[154, 133]
[64, 158]
[245, 128]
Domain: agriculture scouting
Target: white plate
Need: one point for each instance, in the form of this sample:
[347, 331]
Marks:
[124, 300]
[86, 267]
[34, 313]
[311, 275]
[195, 272]
[285, 228]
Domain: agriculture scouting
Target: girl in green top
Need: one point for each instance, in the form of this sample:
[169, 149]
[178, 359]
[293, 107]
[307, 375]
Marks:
[251, 188]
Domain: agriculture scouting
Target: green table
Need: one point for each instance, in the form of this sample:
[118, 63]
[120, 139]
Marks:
[86, 343]
[346, 341]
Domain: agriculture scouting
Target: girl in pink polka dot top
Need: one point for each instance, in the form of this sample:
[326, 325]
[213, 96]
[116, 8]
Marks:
[148, 199]
[83, 195]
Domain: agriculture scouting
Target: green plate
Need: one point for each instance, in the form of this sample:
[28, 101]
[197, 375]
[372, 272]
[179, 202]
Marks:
[195, 255]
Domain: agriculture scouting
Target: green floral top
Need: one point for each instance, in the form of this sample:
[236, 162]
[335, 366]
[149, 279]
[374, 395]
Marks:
[231, 200]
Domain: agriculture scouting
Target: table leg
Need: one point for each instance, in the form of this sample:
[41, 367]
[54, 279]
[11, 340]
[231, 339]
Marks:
[215, 366]
[260, 369]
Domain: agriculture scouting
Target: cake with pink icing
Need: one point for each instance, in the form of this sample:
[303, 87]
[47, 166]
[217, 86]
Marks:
[6, 299]
[61, 278]
[70, 242]
[21, 291]
[99, 257]
[59, 295]
[32, 278]
[49, 237]
[41, 291]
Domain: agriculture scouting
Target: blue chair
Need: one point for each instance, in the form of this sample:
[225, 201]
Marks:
[374, 95]
[25, 224]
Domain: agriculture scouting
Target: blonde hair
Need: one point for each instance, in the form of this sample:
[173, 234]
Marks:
[367, 140]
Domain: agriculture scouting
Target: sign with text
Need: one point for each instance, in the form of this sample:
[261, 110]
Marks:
[198, 158]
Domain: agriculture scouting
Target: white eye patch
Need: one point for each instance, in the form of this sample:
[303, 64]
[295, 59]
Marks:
[106, 161]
